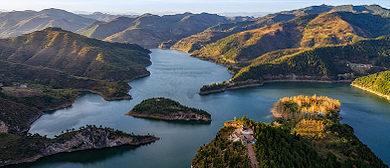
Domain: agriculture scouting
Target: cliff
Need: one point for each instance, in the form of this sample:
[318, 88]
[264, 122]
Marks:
[87, 138]
[167, 109]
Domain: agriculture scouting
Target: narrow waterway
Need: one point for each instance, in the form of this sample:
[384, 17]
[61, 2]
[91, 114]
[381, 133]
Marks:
[177, 76]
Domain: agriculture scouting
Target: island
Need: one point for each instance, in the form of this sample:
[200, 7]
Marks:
[20, 148]
[167, 109]
[306, 132]
[378, 83]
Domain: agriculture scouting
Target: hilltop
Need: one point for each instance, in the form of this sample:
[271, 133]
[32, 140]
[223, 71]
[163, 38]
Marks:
[150, 30]
[220, 31]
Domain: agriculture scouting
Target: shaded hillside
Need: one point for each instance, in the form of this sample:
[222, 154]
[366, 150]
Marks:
[213, 34]
[324, 63]
[102, 30]
[16, 117]
[378, 83]
[310, 30]
[22, 22]
[66, 51]
[151, 30]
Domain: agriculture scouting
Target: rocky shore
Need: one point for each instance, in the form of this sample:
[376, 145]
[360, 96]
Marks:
[84, 139]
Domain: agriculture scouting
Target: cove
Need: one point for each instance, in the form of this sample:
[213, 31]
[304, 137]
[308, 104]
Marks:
[177, 76]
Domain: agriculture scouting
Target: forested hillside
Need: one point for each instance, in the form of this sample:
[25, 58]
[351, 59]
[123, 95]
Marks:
[322, 63]
[305, 133]
[378, 83]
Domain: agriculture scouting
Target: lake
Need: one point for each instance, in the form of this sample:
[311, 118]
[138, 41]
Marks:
[176, 75]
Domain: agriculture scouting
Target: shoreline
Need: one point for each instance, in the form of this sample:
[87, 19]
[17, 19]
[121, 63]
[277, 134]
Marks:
[253, 83]
[371, 91]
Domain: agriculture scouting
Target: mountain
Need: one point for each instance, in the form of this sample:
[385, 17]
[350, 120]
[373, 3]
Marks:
[151, 30]
[76, 54]
[215, 33]
[102, 30]
[104, 17]
[329, 63]
[309, 30]
[21, 22]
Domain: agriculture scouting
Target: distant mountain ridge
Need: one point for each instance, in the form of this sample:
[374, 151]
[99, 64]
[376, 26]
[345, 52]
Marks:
[150, 30]
[22, 22]
[105, 17]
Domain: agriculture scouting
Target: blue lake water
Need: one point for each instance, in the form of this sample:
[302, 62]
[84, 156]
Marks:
[177, 76]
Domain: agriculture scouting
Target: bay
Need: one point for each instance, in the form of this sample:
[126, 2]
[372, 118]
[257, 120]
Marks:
[177, 76]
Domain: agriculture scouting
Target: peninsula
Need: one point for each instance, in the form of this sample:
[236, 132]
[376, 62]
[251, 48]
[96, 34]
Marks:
[167, 109]
[377, 83]
[20, 148]
[306, 132]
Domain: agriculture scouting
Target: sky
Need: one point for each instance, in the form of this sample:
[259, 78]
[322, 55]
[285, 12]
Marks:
[177, 6]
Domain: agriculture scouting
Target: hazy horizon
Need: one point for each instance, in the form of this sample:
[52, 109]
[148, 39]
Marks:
[176, 6]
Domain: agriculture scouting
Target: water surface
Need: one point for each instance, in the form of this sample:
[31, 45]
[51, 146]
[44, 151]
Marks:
[177, 76]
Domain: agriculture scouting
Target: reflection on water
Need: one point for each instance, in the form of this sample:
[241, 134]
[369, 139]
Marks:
[177, 76]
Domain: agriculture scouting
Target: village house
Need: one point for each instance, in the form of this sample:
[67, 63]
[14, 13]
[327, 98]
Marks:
[244, 134]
